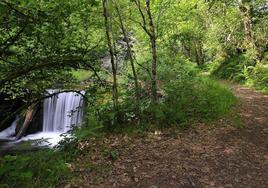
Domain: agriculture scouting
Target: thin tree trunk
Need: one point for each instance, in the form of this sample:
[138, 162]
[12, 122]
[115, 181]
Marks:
[111, 51]
[153, 51]
[199, 54]
[129, 53]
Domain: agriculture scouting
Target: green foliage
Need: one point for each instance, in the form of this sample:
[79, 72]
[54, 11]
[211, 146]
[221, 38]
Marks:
[258, 77]
[185, 97]
[91, 128]
[189, 97]
[231, 68]
[241, 68]
[46, 168]
[81, 75]
[111, 154]
[42, 41]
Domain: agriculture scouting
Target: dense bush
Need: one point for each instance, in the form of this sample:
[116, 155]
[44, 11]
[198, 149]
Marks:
[187, 97]
[243, 69]
[230, 68]
[46, 168]
[259, 77]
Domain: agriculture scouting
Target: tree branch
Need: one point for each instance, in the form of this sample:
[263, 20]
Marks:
[143, 24]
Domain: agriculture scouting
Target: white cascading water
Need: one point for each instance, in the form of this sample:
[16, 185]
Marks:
[62, 111]
[9, 132]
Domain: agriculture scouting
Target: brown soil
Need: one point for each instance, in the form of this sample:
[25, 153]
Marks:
[218, 155]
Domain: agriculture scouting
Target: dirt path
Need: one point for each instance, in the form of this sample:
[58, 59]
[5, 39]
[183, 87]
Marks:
[219, 155]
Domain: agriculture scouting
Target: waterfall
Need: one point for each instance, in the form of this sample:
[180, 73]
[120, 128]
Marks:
[9, 132]
[62, 111]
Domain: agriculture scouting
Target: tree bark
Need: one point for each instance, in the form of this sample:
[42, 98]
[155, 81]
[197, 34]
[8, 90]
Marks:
[111, 51]
[129, 50]
[246, 10]
[153, 51]
[199, 53]
[28, 119]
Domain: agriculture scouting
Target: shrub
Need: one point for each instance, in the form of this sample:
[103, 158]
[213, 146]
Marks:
[46, 168]
[259, 77]
[188, 97]
[241, 68]
[231, 68]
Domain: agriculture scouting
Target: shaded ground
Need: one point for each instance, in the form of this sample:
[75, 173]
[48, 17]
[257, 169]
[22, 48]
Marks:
[219, 155]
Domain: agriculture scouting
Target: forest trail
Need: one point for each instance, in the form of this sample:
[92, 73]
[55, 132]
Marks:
[218, 155]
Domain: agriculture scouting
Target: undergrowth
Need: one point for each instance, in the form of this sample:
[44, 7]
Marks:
[243, 69]
[185, 97]
[44, 168]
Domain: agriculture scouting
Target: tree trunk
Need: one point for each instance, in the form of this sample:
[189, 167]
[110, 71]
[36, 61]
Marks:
[28, 119]
[199, 54]
[153, 51]
[246, 10]
[111, 51]
[129, 53]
